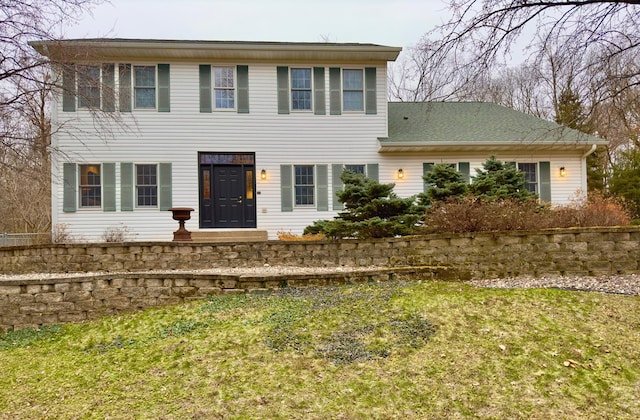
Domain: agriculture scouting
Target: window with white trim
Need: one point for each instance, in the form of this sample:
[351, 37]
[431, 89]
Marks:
[224, 87]
[90, 186]
[301, 89]
[88, 86]
[144, 87]
[147, 185]
[304, 185]
[530, 176]
[352, 90]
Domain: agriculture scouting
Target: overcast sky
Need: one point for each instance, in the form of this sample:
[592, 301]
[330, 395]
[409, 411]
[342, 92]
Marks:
[397, 23]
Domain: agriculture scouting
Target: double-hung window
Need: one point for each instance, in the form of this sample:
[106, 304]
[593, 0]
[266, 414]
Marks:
[352, 90]
[224, 87]
[530, 176]
[304, 186]
[88, 87]
[301, 89]
[144, 86]
[147, 185]
[90, 186]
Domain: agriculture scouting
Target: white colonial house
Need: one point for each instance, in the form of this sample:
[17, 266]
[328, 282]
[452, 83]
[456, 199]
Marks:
[254, 135]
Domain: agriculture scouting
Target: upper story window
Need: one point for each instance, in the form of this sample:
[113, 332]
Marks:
[352, 90]
[144, 86]
[88, 86]
[304, 185]
[530, 176]
[147, 185]
[224, 87]
[90, 186]
[301, 89]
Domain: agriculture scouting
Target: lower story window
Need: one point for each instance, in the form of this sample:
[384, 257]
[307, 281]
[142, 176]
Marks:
[304, 185]
[147, 185]
[530, 176]
[358, 169]
[90, 186]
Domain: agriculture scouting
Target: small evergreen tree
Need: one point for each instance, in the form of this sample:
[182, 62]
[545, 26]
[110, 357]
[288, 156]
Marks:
[499, 180]
[444, 182]
[371, 210]
[625, 177]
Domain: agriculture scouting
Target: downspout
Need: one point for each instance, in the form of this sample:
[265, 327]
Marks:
[584, 168]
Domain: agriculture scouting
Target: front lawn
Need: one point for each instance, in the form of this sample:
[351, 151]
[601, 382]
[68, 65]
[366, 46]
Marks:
[389, 350]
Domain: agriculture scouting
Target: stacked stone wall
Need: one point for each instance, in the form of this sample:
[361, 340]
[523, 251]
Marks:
[122, 274]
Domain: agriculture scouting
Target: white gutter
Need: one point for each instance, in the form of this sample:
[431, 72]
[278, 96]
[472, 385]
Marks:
[593, 149]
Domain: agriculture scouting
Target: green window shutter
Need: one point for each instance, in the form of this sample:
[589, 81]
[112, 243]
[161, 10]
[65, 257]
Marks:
[69, 180]
[205, 88]
[165, 186]
[336, 184]
[286, 187]
[164, 99]
[108, 87]
[126, 186]
[109, 186]
[319, 107]
[335, 94]
[545, 181]
[124, 87]
[322, 180]
[243, 89]
[370, 94]
[69, 88]
[465, 169]
[283, 89]
[373, 171]
[426, 168]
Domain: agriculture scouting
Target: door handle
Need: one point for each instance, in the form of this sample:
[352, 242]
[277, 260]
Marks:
[240, 200]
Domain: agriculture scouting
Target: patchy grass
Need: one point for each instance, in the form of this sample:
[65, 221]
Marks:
[414, 350]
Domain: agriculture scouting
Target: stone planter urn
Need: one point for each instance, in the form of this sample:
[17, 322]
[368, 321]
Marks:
[181, 214]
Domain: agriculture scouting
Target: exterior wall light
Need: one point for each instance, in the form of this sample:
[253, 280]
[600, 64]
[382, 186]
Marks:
[563, 171]
[263, 174]
[400, 174]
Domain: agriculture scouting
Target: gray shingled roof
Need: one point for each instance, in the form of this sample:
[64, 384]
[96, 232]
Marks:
[460, 125]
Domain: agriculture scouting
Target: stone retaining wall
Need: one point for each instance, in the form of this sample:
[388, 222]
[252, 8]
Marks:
[35, 302]
[592, 251]
[123, 280]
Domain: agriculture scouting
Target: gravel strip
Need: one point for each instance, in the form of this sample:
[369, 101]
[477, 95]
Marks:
[232, 271]
[627, 284]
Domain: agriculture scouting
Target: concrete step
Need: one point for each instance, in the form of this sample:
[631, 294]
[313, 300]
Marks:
[229, 235]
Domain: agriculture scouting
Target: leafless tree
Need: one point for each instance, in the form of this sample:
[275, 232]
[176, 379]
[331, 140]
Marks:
[25, 128]
[484, 33]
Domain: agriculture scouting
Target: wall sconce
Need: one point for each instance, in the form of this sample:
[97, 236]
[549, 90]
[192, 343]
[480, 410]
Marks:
[400, 174]
[563, 171]
[263, 174]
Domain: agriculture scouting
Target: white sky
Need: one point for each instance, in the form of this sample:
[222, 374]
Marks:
[398, 23]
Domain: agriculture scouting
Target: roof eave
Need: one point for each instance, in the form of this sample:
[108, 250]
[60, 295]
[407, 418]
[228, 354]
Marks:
[107, 49]
[404, 147]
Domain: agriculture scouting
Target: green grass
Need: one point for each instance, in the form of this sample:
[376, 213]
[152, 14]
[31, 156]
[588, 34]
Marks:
[391, 350]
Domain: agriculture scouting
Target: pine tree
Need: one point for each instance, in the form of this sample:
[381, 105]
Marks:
[371, 210]
[499, 180]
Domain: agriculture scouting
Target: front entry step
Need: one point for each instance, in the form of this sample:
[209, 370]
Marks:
[230, 235]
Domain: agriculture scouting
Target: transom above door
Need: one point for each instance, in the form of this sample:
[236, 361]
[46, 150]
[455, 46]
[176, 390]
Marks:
[227, 190]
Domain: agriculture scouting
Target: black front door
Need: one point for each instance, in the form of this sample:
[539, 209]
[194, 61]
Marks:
[227, 192]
